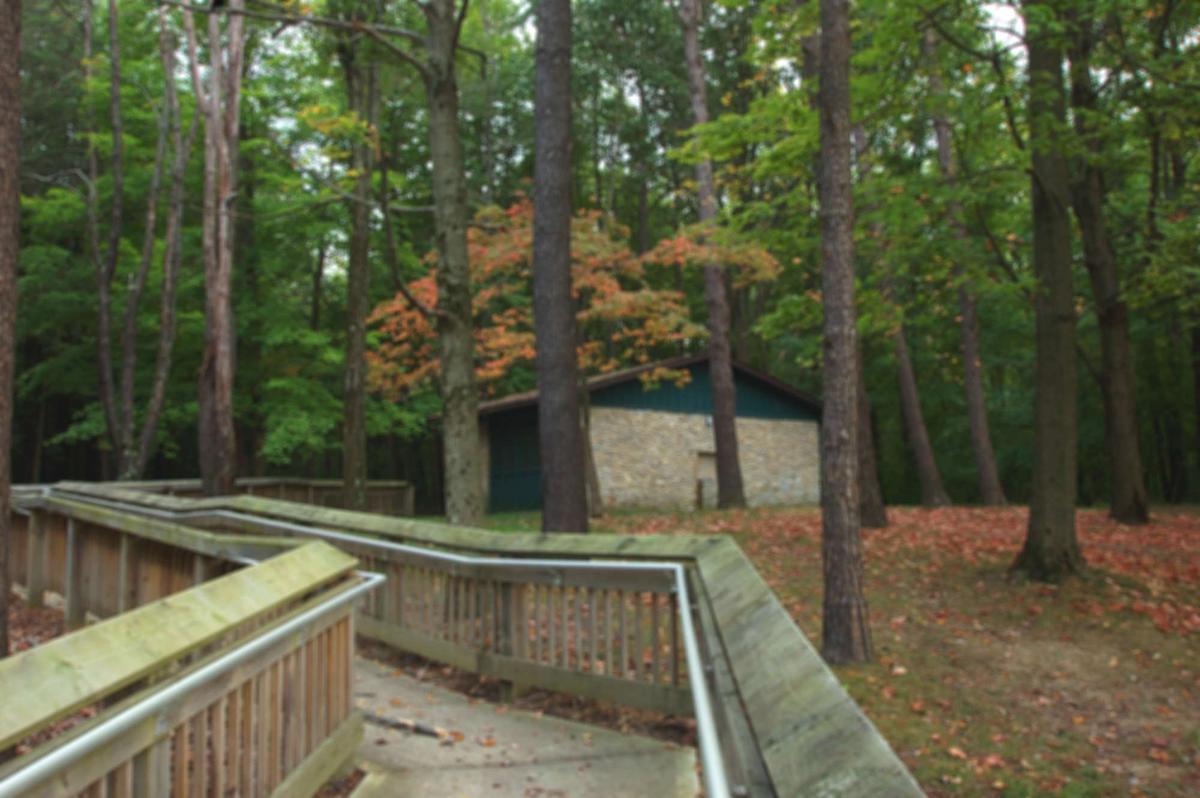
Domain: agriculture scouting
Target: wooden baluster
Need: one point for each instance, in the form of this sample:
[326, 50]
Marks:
[608, 633]
[262, 737]
[623, 636]
[35, 571]
[521, 635]
[121, 780]
[245, 745]
[655, 626]
[591, 594]
[566, 627]
[73, 584]
[675, 610]
[181, 757]
[577, 638]
[199, 725]
[219, 745]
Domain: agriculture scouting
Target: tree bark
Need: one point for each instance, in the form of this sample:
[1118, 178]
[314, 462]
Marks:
[845, 635]
[560, 434]
[1129, 502]
[933, 493]
[730, 491]
[173, 251]
[1051, 550]
[106, 262]
[361, 89]
[10, 250]
[456, 346]
[872, 510]
[318, 282]
[127, 450]
[219, 101]
[990, 488]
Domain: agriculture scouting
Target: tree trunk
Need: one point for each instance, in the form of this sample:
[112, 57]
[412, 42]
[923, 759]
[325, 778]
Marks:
[990, 488]
[1196, 388]
[845, 634]
[127, 450]
[560, 435]
[1129, 502]
[1051, 550]
[219, 101]
[173, 251]
[361, 89]
[872, 511]
[318, 282]
[456, 346]
[106, 262]
[730, 492]
[10, 250]
[933, 493]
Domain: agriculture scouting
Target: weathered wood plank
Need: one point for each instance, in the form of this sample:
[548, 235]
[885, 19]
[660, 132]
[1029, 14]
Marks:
[63, 675]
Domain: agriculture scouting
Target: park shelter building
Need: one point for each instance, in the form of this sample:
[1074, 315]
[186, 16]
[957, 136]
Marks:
[653, 447]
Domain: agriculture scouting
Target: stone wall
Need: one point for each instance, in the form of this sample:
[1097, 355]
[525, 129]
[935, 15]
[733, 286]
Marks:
[649, 458]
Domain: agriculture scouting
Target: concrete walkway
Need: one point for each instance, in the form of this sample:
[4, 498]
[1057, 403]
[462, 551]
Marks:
[502, 752]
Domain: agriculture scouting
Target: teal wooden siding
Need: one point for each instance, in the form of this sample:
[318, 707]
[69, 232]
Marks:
[755, 399]
[515, 468]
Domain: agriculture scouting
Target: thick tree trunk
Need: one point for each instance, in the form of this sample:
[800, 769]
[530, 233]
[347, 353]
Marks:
[10, 250]
[361, 89]
[1129, 502]
[456, 346]
[845, 634]
[730, 492]
[560, 434]
[1051, 549]
[933, 493]
[872, 511]
[219, 101]
[991, 490]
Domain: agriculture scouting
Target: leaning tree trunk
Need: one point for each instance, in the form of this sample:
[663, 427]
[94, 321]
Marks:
[872, 510]
[933, 493]
[560, 434]
[730, 492]
[219, 101]
[456, 346]
[990, 488]
[10, 249]
[845, 635]
[1129, 502]
[1051, 550]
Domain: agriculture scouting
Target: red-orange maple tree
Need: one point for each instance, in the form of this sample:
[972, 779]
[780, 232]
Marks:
[622, 318]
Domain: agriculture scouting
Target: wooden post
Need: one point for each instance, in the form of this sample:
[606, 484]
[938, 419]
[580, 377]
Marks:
[73, 584]
[199, 569]
[36, 560]
[126, 586]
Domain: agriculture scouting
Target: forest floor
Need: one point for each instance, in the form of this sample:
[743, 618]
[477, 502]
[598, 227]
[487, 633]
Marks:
[987, 685]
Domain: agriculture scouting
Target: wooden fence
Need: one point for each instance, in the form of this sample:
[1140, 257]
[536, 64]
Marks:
[241, 684]
[786, 726]
[385, 497]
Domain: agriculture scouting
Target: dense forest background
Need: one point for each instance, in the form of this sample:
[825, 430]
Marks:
[943, 225]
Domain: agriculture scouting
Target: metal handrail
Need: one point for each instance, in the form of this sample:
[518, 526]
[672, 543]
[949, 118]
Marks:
[712, 764]
[46, 767]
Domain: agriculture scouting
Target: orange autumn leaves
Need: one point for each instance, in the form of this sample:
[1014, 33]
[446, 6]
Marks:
[624, 313]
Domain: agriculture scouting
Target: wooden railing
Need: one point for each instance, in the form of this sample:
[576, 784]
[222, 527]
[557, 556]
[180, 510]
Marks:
[242, 683]
[104, 562]
[785, 724]
[385, 497]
